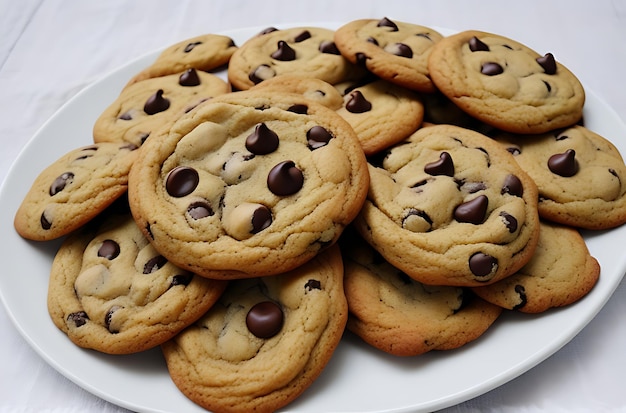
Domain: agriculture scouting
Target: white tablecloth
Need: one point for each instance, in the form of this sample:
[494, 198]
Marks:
[51, 49]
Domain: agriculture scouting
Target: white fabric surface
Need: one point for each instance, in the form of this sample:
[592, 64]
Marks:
[50, 49]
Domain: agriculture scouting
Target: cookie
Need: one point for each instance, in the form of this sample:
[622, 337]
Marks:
[506, 84]
[392, 50]
[561, 272]
[306, 51]
[581, 176]
[265, 341]
[111, 291]
[403, 317]
[74, 189]
[309, 87]
[205, 52]
[249, 184]
[450, 206]
[145, 106]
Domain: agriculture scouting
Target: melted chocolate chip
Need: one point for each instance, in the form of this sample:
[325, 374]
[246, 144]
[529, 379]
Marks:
[476, 45]
[385, 22]
[482, 265]
[109, 249]
[473, 211]
[509, 220]
[199, 210]
[361, 59]
[317, 137]
[109, 316]
[357, 103]
[189, 78]
[299, 108]
[564, 164]
[443, 166]
[302, 36]
[154, 264]
[156, 103]
[261, 219]
[181, 279]
[45, 222]
[191, 46]
[313, 285]
[261, 73]
[521, 291]
[265, 319]
[285, 179]
[267, 30]
[181, 181]
[284, 52]
[262, 141]
[400, 49]
[329, 47]
[372, 41]
[512, 186]
[548, 63]
[79, 318]
[514, 150]
[60, 182]
[406, 224]
[491, 69]
[125, 116]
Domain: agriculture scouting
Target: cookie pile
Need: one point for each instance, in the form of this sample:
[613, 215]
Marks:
[380, 178]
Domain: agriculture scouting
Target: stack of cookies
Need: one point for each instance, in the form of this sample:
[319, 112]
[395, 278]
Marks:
[380, 178]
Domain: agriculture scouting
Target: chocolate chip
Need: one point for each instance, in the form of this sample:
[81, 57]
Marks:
[261, 219]
[313, 285]
[400, 49]
[181, 279]
[46, 223]
[521, 291]
[329, 47]
[317, 137]
[189, 78]
[181, 181]
[60, 182]
[285, 179]
[510, 221]
[125, 116]
[482, 265]
[548, 63]
[109, 249]
[512, 186]
[265, 319]
[302, 36]
[491, 69]
[108, 317]
[79, 318]
[267, 30]
[514, 150]
[261, 73]
[564, 164]
[372, 41]
[473, 211]
[443, 166]
[262, 141]
[284, 52]
[385, 22]
[417, 221]
[476, 45]
[357, 103]
[154, 264]
[156, 103]
[361, 59]
[191, 46]
[199, 210]
[299, 108]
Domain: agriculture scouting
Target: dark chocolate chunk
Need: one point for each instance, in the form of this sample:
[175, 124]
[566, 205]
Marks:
[400, 49]
[199, 210]
[265, 319]
[285, 179]
[189, 78]
[317, 137]
[473, 211]
[262, 141]
[329, 47]
[261, 219]
[361, 59]
[548, 63]
[45, 221]
[109, 249]
[154, 264]
[313, 285]
[491, 69]
[60, 182]
[512, 186]
[482, 265]
[191, 46]
[299, 108]
[510, 221]
[476, 45]
[109, 316]
[357, 103]
[302, 36]
[385, 22]
[181, 279]
[564, 164]
[79, 318]
[284, 52]
[181, 181]
[443, 166]
[156, 103]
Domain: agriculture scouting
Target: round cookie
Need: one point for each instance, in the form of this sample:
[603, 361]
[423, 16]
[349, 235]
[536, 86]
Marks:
[581, 176]
[393, 50]
[146, 106]
[561, 272]
[111, 291]
[505, 84]
[205, 52]
[449, 206]
[265, 341]
[305, 51]
[309, 87]
[249, 184]
[401, 316]
[74, 189]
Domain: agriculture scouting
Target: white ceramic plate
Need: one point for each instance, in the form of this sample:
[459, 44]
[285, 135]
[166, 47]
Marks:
[358, 378]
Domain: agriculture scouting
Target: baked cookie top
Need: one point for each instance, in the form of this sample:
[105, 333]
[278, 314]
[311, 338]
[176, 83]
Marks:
[450, 206]
[396, 51]
[505, 83]
[265, 341]
[561, 272]
[146, 106]
[581, 176]
[307, 51]
[74, 189]
[111, 291]
[309, 87]
[249, 184]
